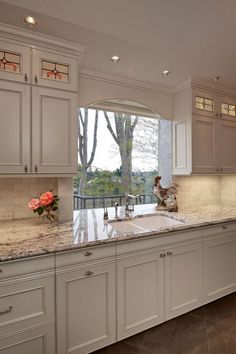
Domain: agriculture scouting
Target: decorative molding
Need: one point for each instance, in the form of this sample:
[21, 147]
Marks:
[26, 37]
[125, 82]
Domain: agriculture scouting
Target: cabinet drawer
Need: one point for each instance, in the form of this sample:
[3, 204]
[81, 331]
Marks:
[84, 255]
[38, 341]
[26, 266]
[219, 229]
[25, 303]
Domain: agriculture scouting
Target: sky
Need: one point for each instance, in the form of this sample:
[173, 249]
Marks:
[107, 154]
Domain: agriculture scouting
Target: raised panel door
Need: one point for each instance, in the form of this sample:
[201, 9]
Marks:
[86, 309]
[14, 128]
[54, 131]
[204, 145]
[227, 146]
[219, 267]
[183, 279]
[140, 293]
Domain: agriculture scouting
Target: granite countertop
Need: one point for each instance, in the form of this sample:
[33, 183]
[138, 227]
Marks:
[30, 237]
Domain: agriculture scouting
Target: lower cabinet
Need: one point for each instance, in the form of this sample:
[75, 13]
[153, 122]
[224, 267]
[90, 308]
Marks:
[219, 262]
[86, 315]
[39, 340]
[140, 293]
[157, 286]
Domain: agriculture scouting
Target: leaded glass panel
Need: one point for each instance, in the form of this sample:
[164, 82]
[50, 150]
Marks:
[10, 61]
[55, 71]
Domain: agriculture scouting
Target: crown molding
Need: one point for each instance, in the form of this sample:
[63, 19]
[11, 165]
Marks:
[32, 38]
[122, 81]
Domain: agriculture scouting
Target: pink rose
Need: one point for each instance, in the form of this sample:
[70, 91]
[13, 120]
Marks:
[34, 204]
[46, 198]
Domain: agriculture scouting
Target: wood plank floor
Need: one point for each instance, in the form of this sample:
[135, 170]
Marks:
[210, 329]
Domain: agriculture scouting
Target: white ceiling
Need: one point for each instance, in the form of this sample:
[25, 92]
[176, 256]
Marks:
[189, 37]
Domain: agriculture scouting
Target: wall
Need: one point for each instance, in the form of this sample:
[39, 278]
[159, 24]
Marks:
[15, 194]
[228, 190]
[94, 88]
[198, 191]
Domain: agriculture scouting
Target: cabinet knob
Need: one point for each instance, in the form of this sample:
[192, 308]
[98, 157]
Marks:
[221, 170]
[88, 253]
[2, 312]
[217, 114]
[162, 254]
[26, 77]
[26, 168]
[224, 227]
[36, 169]
[88, 273]
[35, 79]
[1, 271]
[169, 253]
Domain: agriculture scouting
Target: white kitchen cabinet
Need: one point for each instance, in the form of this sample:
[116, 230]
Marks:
[38, 119]
[219, 262]
[14, 61]
[86, 313]
[203, 136]
[140, 293]
[54, 142]
[156, 286]
[27, 310]
[14, 127]
[40, 340]
[183, 288]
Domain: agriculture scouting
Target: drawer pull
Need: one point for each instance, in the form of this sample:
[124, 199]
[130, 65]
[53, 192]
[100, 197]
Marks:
[35, 79]
[7, 310]
[88, 273]
[1, 271]
[169, 253]
[162, 254]
[88, 253]
[224, 227]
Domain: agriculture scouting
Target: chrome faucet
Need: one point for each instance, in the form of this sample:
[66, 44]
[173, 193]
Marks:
[127, 206]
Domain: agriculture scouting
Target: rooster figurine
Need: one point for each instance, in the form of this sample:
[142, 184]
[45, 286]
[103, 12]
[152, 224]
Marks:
[166, 196]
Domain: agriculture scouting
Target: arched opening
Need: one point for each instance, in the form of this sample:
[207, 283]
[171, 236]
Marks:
[122, 146]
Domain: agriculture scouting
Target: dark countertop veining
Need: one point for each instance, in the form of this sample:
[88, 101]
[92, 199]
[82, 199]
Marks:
[30, 237]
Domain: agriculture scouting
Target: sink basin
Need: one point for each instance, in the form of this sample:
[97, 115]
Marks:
[145, 223]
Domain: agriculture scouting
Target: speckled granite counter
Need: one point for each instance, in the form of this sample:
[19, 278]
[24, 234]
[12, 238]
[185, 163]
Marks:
[31, 237]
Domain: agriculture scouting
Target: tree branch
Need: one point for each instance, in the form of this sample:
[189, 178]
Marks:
[109, 127]
[94, 140]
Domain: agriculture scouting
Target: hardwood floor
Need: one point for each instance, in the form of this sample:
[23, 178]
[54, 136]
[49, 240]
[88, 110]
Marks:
[210, 329]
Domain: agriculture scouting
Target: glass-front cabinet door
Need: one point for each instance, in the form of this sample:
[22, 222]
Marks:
[14, 62]
[53, 70]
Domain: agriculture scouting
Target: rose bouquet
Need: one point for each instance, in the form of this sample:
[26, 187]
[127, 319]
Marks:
[47, 202]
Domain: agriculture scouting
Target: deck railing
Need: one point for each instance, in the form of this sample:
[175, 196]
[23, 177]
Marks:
[91, 202]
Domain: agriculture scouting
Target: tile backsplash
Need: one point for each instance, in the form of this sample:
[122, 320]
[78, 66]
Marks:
[15, 194]
[198, 191]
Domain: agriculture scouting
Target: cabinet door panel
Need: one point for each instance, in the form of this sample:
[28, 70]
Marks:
[204, 139]
[14, 127]
[35, 341]
[53, 70]
[227, 148]
[183, 279]
[14, 62]
[86, 309]
[54, 141]
[219, 267]
[140, 298]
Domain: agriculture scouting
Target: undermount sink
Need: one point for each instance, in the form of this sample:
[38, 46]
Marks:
[145, 223]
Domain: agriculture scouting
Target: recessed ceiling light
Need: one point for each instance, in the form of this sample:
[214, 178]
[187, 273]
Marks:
[115, 59]
[216, 78]
[166, 72]
[30, 21]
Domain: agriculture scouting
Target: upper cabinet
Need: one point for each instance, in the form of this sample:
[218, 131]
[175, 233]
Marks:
[204, 132]
[38, 119]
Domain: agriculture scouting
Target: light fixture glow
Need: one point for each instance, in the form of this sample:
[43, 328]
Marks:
[216, 78]
[115, 59]
[166, 72]
[30, 21]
